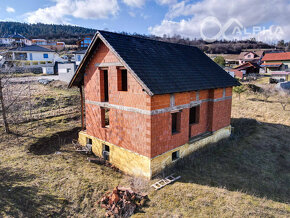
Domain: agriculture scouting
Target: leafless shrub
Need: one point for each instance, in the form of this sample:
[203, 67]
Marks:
[284, 98]
[267, 92]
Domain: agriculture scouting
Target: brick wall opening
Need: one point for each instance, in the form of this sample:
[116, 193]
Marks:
[175, 155]
[175, 122]
[194, 115]
[105, 117]
[89, 141]
[106, 152]
[122, 80]
[104, 85]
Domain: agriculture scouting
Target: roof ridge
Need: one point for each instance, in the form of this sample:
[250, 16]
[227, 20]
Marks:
[145, 38]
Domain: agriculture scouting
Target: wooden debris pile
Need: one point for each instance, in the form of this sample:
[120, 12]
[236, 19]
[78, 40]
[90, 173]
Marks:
[122, 202]
[87, 149]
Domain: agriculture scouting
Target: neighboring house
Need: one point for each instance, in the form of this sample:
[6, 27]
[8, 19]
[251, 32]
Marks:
[84, 42]
[149, 103]
[251, 56]
[58, 46]
[79, 55]
[276, 61]
[231, 60]
[50, 45]
[48, 70]
[281, 76]
[19, 39]
[16, 38]
[39, 41]
[32, 53]
[235, 73]
[66, 71]
[30, 56]
[248, 68]
[6, 40]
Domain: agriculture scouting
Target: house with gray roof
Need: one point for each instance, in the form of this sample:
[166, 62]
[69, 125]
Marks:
[146, 104]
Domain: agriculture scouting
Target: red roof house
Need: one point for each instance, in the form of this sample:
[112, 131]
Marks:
[276, 61]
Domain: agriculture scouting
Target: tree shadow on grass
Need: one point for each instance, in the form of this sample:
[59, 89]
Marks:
[51, 144]
[254, 160]
[18, 199]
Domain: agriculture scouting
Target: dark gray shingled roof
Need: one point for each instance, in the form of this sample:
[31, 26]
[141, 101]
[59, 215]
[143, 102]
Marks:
[31, 48]
[166, 67]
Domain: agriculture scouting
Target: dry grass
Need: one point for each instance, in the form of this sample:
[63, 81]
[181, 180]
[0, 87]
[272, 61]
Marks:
[244, 176]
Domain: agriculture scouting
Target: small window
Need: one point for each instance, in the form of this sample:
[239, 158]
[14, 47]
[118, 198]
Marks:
[106, 148]
[106, 152]
[175, 122]
[45, 55]
[175, 155]
[122, 80]
[194, 115]
[89, 141]
[105, 117]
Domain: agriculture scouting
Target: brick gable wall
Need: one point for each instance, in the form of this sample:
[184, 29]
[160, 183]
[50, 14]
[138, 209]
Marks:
[127, 129]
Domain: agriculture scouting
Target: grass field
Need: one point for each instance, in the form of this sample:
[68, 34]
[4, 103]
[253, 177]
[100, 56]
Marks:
[247, 175]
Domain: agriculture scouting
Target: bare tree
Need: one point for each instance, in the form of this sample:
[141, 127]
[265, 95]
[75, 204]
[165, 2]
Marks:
[284, 98]
[5, 75]
[267, 92]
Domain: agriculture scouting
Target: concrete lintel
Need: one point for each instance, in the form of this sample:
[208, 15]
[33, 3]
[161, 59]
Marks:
[157, 111]
[117, 64]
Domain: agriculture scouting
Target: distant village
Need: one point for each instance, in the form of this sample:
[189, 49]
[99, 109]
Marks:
[250, 64]
[41, 56]
[52, 57]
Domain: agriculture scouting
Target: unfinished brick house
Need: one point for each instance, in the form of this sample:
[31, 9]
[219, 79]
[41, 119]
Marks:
[148, 103]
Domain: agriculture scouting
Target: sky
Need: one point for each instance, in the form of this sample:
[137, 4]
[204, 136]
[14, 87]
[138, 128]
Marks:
[264, 20]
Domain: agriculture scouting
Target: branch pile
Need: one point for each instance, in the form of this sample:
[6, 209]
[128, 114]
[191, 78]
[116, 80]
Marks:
[122, 202]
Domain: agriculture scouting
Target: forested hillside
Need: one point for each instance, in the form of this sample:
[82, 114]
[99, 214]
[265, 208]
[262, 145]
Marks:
[70, 34]
[66, 33]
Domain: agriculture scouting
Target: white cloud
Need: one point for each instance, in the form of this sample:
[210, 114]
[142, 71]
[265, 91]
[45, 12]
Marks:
[134, 3]
[186, 18]
[63, 9]
[10, 9]
[132, 14]
[166, 2]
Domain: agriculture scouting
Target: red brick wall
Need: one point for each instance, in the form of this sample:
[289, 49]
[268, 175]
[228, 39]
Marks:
[221, 114]
[213, 116]
[129, 130]
[161, 137]
[145, 134]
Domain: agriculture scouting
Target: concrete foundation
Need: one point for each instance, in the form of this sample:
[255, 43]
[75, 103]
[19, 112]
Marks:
[139, 165]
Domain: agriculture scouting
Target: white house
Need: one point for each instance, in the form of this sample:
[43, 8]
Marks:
[66, 71]
[30, 57]
[14, 39]
[33, 53]
[79, 55]
[6, 40]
